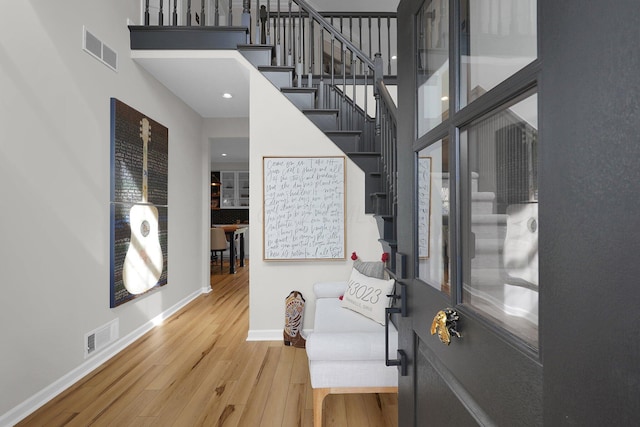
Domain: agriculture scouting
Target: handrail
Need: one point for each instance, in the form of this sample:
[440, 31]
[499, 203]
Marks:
[335, 33]
[388, 134]
[386, 98]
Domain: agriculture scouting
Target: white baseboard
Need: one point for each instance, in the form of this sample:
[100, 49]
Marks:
[265, 335]
[30, 405]
[270, 334]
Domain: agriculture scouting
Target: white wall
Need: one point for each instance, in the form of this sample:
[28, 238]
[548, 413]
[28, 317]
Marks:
[54, 182]
[277, 128]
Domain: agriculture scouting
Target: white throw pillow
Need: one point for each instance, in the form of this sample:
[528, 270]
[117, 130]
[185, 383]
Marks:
[367, 295]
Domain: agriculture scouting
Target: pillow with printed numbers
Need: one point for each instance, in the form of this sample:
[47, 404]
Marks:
[367, 295]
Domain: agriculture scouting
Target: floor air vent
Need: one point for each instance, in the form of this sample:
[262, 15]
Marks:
[96, 48]
[100, 338]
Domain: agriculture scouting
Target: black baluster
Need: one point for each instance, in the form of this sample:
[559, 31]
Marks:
[321, 98]
[389, 44]
[278, 45]
[202, 19]
[290, 50]
[160, 17]
[360, 31]
[175, 12]
[351, 29]
[379, 41]
[146, 13]
[263, 24]
[369, 37]
[312, 58]
[189, 12]
[333, 61]
[268, 22]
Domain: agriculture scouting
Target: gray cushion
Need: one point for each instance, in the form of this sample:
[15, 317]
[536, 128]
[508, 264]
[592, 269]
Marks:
[370, 268]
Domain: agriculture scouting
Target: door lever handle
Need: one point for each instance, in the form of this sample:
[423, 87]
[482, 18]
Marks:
[401, 361]
[445, 324]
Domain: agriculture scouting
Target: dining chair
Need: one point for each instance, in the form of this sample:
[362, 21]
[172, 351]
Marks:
[218, 244]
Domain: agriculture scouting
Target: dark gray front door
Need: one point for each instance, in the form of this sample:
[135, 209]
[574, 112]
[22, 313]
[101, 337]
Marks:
[518, 208]
[468, 212]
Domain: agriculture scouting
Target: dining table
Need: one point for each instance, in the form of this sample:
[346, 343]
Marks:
[235, 232]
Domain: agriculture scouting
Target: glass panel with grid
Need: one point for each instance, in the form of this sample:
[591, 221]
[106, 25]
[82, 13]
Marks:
[500, 220]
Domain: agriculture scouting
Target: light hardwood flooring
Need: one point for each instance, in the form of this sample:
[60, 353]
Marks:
[197, 369]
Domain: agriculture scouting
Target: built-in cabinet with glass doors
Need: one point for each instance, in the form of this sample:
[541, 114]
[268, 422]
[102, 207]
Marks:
[234, 191]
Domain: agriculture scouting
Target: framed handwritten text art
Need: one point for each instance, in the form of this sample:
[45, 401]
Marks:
[304, 208]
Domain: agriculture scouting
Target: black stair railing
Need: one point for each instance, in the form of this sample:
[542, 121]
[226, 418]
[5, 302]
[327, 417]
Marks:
[286, 24]
[388, 143]
[346, 76]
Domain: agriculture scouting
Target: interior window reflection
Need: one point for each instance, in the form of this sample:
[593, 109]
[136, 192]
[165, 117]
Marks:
[433, 215]
[433, 64]
[500, 220]
[497, 38]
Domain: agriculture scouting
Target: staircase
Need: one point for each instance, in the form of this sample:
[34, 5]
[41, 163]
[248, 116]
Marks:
[367, 154]
[323, 86]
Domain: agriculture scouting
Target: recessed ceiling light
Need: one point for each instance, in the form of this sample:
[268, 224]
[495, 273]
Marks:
[445, 98]
[224, 154]
[394, 57]
[227, 95]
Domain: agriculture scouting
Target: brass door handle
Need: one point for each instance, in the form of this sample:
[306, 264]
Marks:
[445, 323]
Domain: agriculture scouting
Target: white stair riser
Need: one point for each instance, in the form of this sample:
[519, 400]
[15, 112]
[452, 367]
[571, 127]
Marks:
[482, 203]
[489, 226]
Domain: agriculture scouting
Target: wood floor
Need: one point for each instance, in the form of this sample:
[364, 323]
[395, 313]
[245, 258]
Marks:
[197, 369]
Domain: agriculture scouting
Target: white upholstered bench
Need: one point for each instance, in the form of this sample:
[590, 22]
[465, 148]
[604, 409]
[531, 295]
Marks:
[346, 350]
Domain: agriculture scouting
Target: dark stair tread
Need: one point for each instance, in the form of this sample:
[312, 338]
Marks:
[365, 154]
[256, 47]
[299, 89]
[268, 68]
[321, 111]
[343, 132]
[385, 217]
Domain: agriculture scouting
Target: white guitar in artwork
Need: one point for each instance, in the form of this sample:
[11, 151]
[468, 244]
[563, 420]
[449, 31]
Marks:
[143, 263]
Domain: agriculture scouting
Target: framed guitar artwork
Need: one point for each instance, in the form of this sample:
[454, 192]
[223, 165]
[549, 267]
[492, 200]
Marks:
[139, 171]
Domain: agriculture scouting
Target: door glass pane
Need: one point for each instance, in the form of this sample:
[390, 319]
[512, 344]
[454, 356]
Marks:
[433, 64]
[433, 215]
[500, 218]
[497, 38]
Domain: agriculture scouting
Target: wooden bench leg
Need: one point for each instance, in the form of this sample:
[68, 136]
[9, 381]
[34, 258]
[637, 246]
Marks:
[320, 393]
[318, 400]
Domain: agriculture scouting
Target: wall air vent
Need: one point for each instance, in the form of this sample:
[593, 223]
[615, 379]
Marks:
[100, 338]
[96, 48]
